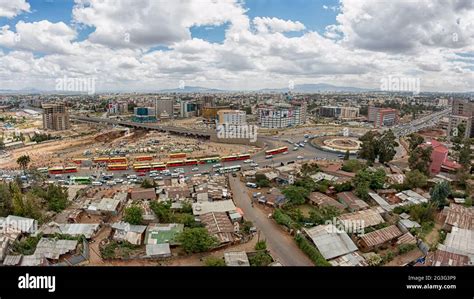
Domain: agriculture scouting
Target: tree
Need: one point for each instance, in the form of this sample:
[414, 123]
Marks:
[347, 155]
[415, 140]
[6, 207]
[465, 154]
[55, 195]
[162, 211]
[260, 259]
[386, 147]
[369, 147]
[148, 183]
[322, 214]
[133, 215]
[214, 262]
[196, 240]
[23, 161]
[415, 179]
[261, 245]
[261, 180]
[296, 195]
[352, 165]
[440, 192]
[420, 158]
[366, 179]
[458, 135]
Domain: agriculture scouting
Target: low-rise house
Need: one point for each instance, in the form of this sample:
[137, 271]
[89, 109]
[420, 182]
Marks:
[161, 250]
[219, 225]
[460, 241]
[407, 224]
[71, 229]
[143, 194]
[379, 237]
[106, 206]
[381, 201]
[123, 231]
[330, 241]
[158, 233]
[274, 198]
[353, 259]
[359, 220]
[441, 258]
[322, 200]
[53, 249]
[406, 238]
[18, 224]
[411, 197]
[4, 245]
[177, 192]
[225, 206]
[351, 201]
[459, 216]
[236, 259]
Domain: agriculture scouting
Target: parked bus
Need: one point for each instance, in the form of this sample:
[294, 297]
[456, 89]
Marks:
[56, 170]
[243, 157]
[229, 158]
[101, 160]
[42, 170]
[276, 151]
[177, 155]
[209, 160]
[79, 160]
[142, 167]
[81, 180]
[191, 162]
[229, 169]
[158, 166]
[118, 160]
[175, 164]
[117, 167]
[144, 158]
[70, 169]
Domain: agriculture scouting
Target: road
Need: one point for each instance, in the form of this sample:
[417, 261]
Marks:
[281, 245]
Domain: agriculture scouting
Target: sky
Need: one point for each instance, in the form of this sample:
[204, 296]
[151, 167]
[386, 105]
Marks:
[143, 45]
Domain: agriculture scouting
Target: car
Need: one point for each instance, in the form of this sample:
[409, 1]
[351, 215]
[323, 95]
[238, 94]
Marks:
[96, 183]
[132, 176]
[158, 178]
[300, 157]
[175, 175]
[195, 169]
[251, 185]
[152, 174]
[295, 148]
[268, 157]
[248, 161]
[284, 153]
[254, 164]
[306, 135]
[234, 174]
[111, 183]
[217, 165]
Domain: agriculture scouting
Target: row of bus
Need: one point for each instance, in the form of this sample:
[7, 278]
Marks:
[57, 170]
[124, 160]
[276, 151]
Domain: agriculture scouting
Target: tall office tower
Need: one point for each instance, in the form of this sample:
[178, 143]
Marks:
[383, 117]
[55, 117]
[164, 107]
[462, 113]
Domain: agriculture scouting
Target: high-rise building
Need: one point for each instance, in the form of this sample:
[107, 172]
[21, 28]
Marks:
[282, 115]
[231, 117]
[382, 117]
[339, 112]
[144, 114]
[462, 113]
[55, 117]
[164, 107]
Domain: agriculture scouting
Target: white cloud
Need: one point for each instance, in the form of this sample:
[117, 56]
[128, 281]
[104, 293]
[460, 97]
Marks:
[11, 8]
[265, 24]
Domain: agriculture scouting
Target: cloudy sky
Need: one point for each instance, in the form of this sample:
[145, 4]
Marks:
[134, 45]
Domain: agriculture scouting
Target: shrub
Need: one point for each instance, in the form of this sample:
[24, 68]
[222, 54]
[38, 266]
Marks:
[311, 251]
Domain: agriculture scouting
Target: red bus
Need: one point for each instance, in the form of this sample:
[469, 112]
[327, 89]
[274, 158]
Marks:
[101, 160]
[191, 162]
[70, 169]
[144, 158]
[56, 170]
[276, 151]
[141, 167]
[78, 160]
[175, 164]
[229, 158]
[158, 166]
[243, 157]
[117, 167]
[177, 155]
[118, 160]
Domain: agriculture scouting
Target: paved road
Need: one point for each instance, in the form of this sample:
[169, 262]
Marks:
[281, 245]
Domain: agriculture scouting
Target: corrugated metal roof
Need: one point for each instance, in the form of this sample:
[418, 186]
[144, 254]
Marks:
[331, 241]
[460, 216]
[381, 236]
[236, 258]
[361, 219]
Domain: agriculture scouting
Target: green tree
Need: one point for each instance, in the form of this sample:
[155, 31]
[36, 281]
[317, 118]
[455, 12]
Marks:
[148, 183]
[420, 158]
[6, 207]
[196, 240]
[369, 147]
[261, 245]
[295, 194]
[352, 165]
[459, 136]
[386, 147]
[415, 179]
[133, 215]
[440, 193]
[465, 154]
[347, 155]
[162, 211]
[214, 262]
[366, 179]
[322, 214]
[55, 195]
[23, 161]
[260, 259]
[261, 180]
[414, 140]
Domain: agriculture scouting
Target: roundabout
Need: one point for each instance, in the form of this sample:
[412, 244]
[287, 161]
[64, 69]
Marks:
[337, 144]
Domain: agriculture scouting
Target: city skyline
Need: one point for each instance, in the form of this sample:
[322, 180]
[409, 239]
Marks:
[235, 45]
